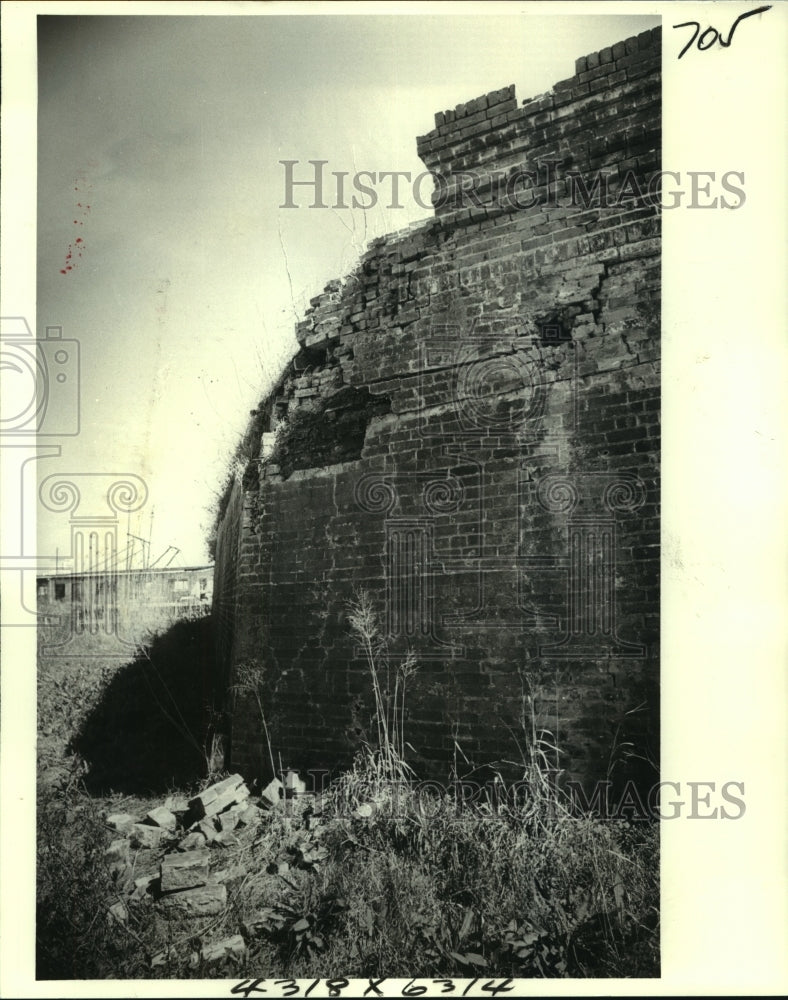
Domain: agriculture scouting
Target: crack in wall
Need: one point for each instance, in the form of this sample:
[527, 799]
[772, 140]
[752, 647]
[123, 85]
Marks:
[551, 301]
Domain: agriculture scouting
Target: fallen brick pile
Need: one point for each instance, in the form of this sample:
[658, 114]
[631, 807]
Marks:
[177, 864]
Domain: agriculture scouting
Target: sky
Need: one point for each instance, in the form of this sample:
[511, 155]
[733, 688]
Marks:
[162, 244]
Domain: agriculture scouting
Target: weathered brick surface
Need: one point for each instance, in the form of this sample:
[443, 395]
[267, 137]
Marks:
[204, 901]
[502, 502]
[184, 871]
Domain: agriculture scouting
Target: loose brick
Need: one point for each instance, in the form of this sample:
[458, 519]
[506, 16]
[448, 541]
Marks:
[219, 950]
[122, 822]
[184, 871]
[143, 835]
[163, 817]
[218, 797]
[205, 901]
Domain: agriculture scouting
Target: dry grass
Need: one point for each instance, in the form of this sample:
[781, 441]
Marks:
[379, 876]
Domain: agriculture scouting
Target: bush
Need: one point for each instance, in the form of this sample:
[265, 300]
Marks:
[75, 887]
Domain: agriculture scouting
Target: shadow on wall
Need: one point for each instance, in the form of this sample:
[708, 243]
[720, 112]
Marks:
[153, 728]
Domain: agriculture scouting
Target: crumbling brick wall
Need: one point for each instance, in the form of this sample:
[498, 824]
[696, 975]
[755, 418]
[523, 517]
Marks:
[470, 431]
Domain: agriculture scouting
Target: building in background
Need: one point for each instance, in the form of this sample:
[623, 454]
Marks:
[95, 599]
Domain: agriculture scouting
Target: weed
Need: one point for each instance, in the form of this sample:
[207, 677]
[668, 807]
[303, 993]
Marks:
[76, 938]
[249, 681]
[386, 762]
[378, 876]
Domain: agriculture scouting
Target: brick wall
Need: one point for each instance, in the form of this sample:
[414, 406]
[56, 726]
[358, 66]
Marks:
[470, 431]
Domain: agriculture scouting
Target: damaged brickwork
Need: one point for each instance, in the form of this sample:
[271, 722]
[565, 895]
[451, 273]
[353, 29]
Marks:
[469, 430]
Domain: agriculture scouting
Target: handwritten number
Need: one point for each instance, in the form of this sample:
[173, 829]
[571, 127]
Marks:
[686, 24]
[287, 984]
[503, 987]
[247, 986]
[716, 37]
[741, 17]
[335, 986]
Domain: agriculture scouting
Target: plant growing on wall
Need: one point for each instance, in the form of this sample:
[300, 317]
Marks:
[389, 686]
[249, 682]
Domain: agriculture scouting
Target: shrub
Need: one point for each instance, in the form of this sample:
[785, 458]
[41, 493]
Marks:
[75, 887]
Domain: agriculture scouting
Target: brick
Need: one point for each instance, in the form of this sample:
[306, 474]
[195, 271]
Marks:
[205, 901]
[214, 791]
[177, 804]
[143, 835]
[163, 817]
[645, 41]
[122, 822]
[219, 950]
[208, 829]
[227, 821]
[184, 871]
[218, 797]
[226, 838]
[192, 841]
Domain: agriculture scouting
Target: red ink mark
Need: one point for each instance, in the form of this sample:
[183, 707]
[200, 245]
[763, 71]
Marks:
[84, 211]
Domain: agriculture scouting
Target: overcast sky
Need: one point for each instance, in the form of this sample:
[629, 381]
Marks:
[159, 147]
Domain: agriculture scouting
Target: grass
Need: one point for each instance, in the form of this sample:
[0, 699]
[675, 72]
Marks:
[75, 888]
[387, 762]
[379, 876]
[141, 726]
[424, 888]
